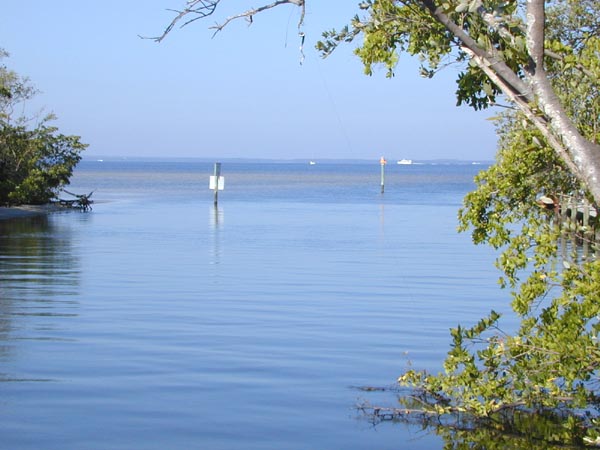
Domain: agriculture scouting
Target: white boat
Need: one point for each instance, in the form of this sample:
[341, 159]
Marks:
[405, 161]
[312, 163]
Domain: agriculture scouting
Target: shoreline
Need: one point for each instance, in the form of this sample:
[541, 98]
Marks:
[17, 212]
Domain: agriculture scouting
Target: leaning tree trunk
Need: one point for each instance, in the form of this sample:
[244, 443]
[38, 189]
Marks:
[585, 154]
[580, 155]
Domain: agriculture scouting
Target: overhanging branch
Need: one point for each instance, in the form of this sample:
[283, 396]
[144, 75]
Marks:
[200, 9]
[251, 12]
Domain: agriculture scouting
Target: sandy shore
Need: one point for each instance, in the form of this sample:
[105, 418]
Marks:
[26, 211]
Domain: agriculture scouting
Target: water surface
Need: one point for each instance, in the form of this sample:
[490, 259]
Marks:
[157, 321]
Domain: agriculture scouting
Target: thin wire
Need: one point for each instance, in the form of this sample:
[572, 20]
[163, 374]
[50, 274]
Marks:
[334, 108]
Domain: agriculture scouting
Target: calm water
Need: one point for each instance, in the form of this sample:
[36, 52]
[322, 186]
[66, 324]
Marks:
[158, 322]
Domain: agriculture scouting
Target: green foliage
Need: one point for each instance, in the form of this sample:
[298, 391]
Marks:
[577, 71]
[35, 161]
[550, 366]
[393, 27]
[548, 369]
[573, 41]
[502, 211]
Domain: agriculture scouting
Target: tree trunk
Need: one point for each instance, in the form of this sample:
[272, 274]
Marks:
[585, 154]
[580, 155]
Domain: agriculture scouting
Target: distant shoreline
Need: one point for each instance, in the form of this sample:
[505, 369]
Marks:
[182, 159]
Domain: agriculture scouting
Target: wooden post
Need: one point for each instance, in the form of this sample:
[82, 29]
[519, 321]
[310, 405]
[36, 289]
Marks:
[217, 174]
[383, 162]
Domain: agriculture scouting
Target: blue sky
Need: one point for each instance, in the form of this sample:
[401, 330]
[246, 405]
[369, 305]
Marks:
[241, 94]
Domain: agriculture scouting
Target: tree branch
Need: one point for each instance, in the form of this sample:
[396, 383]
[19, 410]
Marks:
[201, 9]
[251, 12]
[511, 80]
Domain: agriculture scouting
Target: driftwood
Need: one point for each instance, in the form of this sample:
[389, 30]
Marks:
[81, 201]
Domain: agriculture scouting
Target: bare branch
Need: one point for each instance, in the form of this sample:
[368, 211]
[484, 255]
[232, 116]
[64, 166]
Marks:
[251, 12]
[200, 9]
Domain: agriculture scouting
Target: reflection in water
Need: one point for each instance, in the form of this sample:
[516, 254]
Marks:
[216, 218]
[382, 220]
[216, 221]
[511, 428]
[39, 276]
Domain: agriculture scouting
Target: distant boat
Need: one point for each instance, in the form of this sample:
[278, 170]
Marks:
[405, 162]
[312, 163]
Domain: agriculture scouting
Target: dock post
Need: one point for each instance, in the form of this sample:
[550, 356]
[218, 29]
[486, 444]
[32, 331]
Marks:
[383, 162]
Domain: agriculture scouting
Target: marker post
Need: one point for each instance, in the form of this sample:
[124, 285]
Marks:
[217, 182]
[383, 162]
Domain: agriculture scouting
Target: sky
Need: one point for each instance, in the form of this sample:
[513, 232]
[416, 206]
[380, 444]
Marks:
[240, 94]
